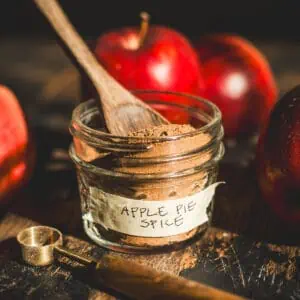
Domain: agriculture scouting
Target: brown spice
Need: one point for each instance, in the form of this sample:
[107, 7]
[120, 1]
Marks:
[290, 251]
[291, 270]
[163, 130]
[172, 188]
[172, 262]
[274, 268]
[287, 268]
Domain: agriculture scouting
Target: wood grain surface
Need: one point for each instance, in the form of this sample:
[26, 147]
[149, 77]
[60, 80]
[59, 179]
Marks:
[247, 251]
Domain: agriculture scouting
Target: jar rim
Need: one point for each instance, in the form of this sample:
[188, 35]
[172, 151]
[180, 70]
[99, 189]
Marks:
[86, 130]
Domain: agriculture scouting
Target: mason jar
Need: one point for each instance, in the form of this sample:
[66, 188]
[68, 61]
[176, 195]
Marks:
[153, 189]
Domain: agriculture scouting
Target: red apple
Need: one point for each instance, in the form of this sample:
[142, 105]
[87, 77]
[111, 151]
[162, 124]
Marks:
[16, 156]
[151, 58]
[238, 79]
[278, 158]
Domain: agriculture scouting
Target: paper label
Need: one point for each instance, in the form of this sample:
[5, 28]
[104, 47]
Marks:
[149, 218]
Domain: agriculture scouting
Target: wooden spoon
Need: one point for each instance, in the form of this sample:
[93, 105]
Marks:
[122, 111]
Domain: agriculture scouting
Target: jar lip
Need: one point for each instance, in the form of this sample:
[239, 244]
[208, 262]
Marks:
[216, 118]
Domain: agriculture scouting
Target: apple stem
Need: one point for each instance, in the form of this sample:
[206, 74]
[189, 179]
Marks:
[144, 27]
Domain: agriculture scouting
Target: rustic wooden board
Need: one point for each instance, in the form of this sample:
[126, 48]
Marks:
[241, 253]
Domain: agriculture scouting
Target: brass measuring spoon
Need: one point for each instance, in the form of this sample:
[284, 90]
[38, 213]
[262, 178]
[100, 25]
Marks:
[40, 244]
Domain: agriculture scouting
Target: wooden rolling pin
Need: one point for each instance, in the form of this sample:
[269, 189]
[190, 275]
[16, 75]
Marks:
[141, 282]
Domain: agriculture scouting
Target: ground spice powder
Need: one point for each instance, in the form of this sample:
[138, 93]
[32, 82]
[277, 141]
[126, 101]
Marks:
[171, 188]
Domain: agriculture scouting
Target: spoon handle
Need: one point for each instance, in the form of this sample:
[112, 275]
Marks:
[122, 112]
[101, 80]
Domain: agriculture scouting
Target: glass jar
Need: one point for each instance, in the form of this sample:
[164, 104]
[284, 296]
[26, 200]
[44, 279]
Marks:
[151, 191]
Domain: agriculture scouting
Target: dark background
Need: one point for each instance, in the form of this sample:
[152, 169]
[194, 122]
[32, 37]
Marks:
[262, 19]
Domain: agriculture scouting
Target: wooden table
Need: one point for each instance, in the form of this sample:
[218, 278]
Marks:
[247, 250]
